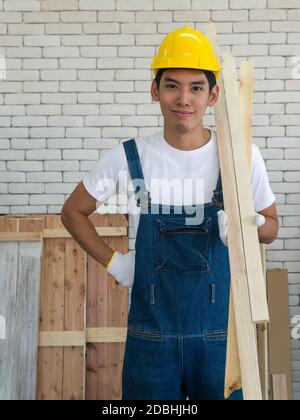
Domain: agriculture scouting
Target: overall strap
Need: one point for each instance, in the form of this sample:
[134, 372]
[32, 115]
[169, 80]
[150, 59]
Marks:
[136, 172]
[217, 199]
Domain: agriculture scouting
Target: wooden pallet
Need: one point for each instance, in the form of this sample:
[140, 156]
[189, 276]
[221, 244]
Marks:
[83, 311]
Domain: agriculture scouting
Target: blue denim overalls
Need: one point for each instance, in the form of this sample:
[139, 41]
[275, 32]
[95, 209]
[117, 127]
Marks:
[177, 323]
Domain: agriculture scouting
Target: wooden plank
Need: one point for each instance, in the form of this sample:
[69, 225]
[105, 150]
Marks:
[62, 338]
[97, 313]
[20, 237]
[23, 282]
[279, 327]
[256, 283]
[280, 391]
[74, 319]
[20, 289]
[118, 314]
[63, 233]
[79, 338]
[50, 360]
[106, 335]
[239, 279]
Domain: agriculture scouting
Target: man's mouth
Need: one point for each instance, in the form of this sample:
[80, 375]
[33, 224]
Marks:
[182, 114]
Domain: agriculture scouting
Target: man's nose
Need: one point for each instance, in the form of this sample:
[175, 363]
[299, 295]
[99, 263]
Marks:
[183, 97]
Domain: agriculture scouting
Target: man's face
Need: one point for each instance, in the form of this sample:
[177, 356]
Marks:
[183, 96]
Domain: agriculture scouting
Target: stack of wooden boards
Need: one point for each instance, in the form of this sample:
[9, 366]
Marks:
[65, 317]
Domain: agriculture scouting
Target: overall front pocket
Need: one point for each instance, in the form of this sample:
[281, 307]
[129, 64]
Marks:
[182, 248]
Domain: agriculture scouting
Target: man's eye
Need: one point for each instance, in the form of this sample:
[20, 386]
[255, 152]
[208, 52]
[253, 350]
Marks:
[198, 88]
[171, 86]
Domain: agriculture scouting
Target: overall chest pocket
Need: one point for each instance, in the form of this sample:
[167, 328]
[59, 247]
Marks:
[180, 247]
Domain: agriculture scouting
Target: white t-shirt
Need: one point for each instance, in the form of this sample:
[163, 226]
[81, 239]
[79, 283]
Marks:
[173, 176]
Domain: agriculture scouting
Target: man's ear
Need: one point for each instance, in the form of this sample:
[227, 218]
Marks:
[154, 91]
[213, 96]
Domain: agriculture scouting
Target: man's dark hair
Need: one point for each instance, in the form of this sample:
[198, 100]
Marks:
[210, 76]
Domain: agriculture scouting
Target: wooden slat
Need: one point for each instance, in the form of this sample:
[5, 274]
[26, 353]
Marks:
[20, 237]
[79, 338]
[239, 280]
[62, 338]
[280, 390]
[279, 327]
[74, 319]
[18, 367]
[63, 233]
[50, 360]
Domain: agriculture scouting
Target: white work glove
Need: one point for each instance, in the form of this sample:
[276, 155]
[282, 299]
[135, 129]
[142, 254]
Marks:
[259, 220]
[122, 267]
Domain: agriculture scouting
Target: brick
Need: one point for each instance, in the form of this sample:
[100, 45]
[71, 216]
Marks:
[24, 166]
[115, 63]
[19, 99]
[272, 38]
[292, 176]
[43, 154]
[138, 28]
[292, 165]
[96, 75]
[132, 98]
[101, 28]
[10, 87]
[113, 120]
[26, 188]
[47, 132]
[63, 29]
[12, 155]
[65, 143]
[81, 109]
[61, 52]
[99, 51]
[80, 154]
[26, 29]
[115, 109]
[242, 50]
[11, 41]
[47, 199]
[279, 14]
[139, 121]
[58, 98]
[280, 73]
[78, 86]
[286, 50]
[60, 165]
[44, 177]
[23, 75]
[116, 16]
[248, 4]
[114, 86]
[116, 40]
[208, 5]
[157, 16]
[4, 144]
[13, 132]
[58, 75]
[28, 144]
[42, 41]
[119, 132]
[284, 120]
[40, 17]
[79, 40]
[29, 121]
[282, 97]
[288, 4]
[293, 199]
[12, 110]
[90, 98]
[42, 63]
[66, 121]
[135, 4]
[289, 26]
[78, 63]
[65, 188]
[25, 52]
[8, 199]
[23, 6]
[83, 132]
[5, 122]
[227, 16]
[41, 87]
[77, 17]
[73, 176]
[294, 14]
[96, 4]
[10, 17]
[28, 209]
[241, 27]
[60, 5]
[100, 143]
[12, 176]
[136, 51]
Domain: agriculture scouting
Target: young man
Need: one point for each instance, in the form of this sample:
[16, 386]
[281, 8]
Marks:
[176, 342]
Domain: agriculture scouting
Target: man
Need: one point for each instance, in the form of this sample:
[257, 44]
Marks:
[177, 325]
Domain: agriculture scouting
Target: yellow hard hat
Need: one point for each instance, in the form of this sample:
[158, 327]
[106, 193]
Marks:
[186, 48]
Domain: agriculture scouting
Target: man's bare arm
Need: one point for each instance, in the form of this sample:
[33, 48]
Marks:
[74, 217]
[268, 232]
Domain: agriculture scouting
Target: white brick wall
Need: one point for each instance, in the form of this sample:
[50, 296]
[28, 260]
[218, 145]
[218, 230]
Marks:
[77, 82]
